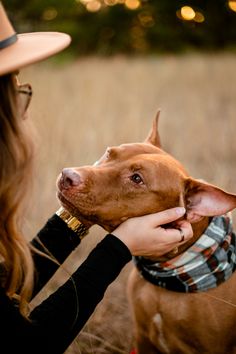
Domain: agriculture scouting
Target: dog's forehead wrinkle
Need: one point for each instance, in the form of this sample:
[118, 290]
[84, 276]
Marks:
[139, 148]
[155, 165]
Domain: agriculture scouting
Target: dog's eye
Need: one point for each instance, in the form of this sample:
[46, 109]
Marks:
[136, 178]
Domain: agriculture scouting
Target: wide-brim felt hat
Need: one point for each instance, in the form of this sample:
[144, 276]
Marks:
[20, 50]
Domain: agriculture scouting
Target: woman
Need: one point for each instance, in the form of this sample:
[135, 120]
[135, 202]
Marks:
[25, 268]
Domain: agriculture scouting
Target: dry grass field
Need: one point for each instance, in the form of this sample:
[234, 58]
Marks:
[80, 108]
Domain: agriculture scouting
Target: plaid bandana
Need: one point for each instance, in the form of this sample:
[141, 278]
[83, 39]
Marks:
[207, 263]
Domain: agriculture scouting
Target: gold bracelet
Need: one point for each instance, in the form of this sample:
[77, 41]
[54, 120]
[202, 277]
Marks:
[73, 223]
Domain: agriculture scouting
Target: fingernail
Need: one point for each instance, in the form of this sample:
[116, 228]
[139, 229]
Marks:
[180, 210]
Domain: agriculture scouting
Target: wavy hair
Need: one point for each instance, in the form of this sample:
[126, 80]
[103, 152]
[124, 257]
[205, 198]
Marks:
[16, 166]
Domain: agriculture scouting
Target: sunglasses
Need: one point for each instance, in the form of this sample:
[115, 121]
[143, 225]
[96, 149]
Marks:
[25, 94]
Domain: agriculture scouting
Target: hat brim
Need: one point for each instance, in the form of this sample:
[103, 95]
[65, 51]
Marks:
[31, 48]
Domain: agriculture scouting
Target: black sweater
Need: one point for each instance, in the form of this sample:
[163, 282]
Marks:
[57, 320]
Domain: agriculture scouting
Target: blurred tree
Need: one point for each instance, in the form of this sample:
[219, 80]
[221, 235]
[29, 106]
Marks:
[132, 26]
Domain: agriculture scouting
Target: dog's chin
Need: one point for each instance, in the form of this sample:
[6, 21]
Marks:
[71, 208]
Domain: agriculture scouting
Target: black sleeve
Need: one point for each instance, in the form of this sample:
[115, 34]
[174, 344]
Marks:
[57, 240]
[57, 320]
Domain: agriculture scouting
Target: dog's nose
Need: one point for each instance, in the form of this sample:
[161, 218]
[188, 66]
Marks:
[69, 178]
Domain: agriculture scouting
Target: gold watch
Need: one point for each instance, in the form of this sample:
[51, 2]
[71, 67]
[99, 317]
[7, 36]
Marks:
[73, 223]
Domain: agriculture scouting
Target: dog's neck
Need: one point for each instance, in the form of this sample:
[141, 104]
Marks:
[204, 265]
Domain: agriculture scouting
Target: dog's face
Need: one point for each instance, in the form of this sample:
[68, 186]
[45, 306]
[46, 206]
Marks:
[129, 180]
[136, 179]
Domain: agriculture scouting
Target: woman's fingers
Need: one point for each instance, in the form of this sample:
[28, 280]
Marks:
[187, 230]
[166, 216]
[181, 234]
[146, 235]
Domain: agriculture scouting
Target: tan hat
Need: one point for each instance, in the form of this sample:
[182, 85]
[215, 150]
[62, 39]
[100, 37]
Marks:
[20, 50]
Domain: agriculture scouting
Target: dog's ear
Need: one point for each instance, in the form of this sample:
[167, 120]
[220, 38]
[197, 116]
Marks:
[203, 199]
[153, 136]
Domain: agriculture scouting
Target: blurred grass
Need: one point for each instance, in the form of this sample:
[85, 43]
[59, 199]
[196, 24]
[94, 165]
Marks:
[80, 108]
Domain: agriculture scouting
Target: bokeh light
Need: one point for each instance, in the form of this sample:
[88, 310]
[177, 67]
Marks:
[199, 17]
[232, 5]
[93, 6]
[187, 13]
[132, 4]
[49, 14]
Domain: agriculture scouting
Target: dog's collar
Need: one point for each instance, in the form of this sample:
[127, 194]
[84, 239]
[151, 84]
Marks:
[208, 262]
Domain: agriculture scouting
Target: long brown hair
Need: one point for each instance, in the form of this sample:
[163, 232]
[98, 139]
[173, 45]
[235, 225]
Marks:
[16, 159]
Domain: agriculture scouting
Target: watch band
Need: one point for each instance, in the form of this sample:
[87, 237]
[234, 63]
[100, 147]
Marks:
[73, 223]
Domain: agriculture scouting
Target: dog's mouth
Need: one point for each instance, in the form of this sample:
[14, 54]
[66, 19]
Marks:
[86, 219]
[65, 202]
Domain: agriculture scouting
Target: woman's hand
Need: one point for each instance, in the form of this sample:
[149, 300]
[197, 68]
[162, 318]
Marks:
[144, 235]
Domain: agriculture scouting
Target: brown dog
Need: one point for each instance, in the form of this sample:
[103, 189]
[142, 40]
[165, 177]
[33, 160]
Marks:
[198, 316]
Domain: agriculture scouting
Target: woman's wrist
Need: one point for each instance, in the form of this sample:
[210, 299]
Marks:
[119, 245]
[72, 223]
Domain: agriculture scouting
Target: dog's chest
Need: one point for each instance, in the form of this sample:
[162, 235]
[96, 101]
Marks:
[159, 333]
